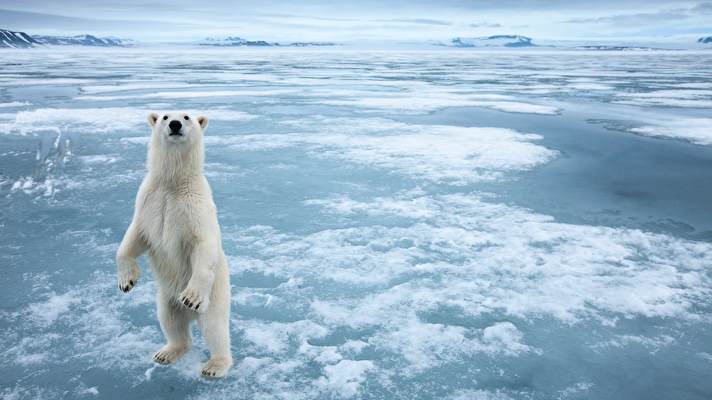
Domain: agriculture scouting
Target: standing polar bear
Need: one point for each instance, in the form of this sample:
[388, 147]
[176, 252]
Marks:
[176, 222]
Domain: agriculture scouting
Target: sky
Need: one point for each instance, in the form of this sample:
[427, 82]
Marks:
[363, 20]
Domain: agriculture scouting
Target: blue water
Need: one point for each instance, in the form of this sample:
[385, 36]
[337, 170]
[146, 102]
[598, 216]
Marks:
[415, 225]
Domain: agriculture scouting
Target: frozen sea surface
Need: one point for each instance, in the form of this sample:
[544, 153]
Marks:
[423, 225]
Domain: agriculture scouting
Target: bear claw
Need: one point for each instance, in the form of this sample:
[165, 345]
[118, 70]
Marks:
[168, 354]
[191, 299]
[127, 279]
[216, 368]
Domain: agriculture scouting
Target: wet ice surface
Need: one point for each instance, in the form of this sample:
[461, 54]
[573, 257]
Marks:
[399, 225]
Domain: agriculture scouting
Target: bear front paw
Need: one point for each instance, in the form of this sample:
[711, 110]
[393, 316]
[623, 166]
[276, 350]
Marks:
[128, 279]
[192, 299]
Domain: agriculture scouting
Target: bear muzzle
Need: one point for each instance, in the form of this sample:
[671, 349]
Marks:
[175, 127]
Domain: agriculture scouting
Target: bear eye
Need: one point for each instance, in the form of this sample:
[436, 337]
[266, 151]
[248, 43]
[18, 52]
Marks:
[165, 117]
[186, 118]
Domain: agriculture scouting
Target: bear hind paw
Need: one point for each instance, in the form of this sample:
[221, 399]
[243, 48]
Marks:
[216, 368]
[169, 354]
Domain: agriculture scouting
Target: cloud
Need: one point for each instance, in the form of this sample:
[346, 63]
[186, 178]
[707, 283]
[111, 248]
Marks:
[485, 24]
[641, 18]
[424, 21]
[46, 23]
[702, 8]
[667, 15]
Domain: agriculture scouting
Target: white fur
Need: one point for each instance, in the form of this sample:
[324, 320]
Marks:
[176, 222]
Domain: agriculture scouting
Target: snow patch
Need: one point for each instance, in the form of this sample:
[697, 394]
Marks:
[13, 104]
[421, 103]
[506, 337]
[345, 377]
[95, 120]
[448, 154]
[694, 130]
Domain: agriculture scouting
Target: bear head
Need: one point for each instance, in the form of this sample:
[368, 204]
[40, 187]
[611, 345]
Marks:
[177, 128]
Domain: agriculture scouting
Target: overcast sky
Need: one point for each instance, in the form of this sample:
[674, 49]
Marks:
[400, 20]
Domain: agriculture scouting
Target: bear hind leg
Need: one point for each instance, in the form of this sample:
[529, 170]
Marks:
[175, 324]
[215, 328]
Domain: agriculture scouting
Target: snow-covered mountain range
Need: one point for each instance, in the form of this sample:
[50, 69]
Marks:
[238, 41]
[519, 41]
[11, 39]
[16, 39]
[83, 40]
[491, 41]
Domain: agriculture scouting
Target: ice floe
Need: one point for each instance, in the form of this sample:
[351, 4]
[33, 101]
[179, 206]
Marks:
[95, 120]
[435, 152]
[695, 130]
[669, 97]
[418, 102]
[13, 104]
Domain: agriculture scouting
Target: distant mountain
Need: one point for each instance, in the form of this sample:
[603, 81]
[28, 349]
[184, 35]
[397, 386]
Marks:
[705, 40]
[238, 41]
[492, 41]
[82, 40]
[234, 41]
[598, 47]
[10, 39]
[307, 44]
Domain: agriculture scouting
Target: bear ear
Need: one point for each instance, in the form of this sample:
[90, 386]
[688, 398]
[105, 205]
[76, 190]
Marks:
[203, 121]
[152, 118]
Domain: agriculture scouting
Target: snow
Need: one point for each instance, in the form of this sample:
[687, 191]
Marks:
[682, 97]
[94, 120]
[695, 130]
[191, 94]
[426, 103]
[505, 336]
[438, 153]
[345, 378]
[14, 104]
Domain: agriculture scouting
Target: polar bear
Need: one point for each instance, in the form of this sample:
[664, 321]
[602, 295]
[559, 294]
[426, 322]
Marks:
[175, 221]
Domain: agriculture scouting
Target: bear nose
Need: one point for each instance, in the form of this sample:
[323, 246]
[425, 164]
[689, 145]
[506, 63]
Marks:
[175, 125]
